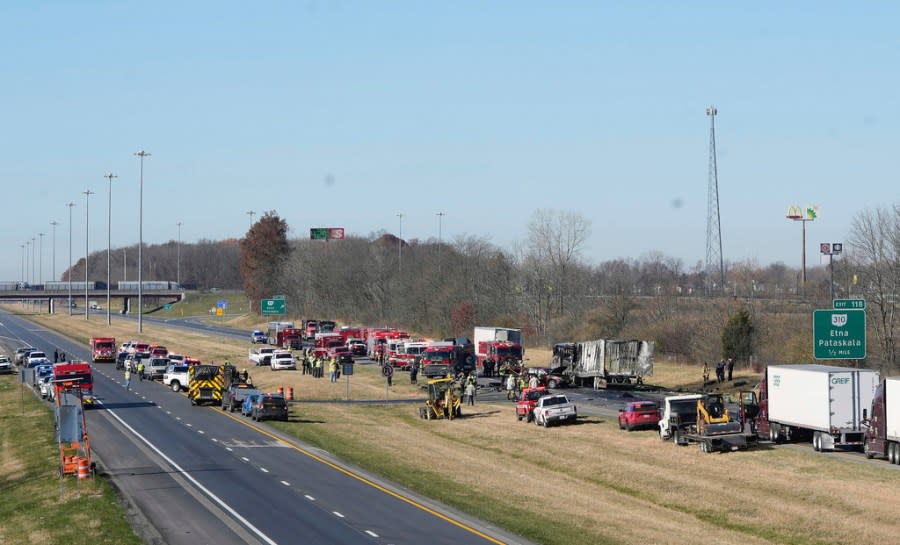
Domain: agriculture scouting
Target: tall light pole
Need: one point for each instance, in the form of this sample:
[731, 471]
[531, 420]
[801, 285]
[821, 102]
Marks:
[109, 176]
[27, 256]
[178, 258]
[124, 265]
[87, 224]
[141, 154]
[69, 274]
[23, 265]
[33, 246]
[400, 245]
[251, 213]
[54, 224]
[440, 216]
[41, 260]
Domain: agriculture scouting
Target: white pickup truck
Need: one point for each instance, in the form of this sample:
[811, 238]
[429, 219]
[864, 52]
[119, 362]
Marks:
[261, 356]
[554, 409]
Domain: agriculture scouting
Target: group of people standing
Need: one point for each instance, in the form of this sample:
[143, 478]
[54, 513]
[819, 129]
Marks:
[515, 383]
[721, 368]
[315, 365]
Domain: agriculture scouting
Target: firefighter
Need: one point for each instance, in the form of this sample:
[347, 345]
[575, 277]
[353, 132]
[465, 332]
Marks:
[140, 370]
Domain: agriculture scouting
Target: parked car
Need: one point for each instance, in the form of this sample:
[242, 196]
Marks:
[639, 414]
[269, 406]
[176, 377]
[258, 337]
[155, 368]
[22, 353]
[35, 358]
[159, 351]
[175, 358]
[6, 366]
[357, 347]
[526, 402]
[249, 402]
[45, 385]
[554, 409]
[283, 359]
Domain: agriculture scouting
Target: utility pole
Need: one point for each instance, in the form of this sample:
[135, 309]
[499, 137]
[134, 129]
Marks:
[141, 154]
[54, 224]
[440, 216]
[178, 260]
[124, 265]
[715, 265]
[23, 266]
[27, 257]
[69, 273]
[41, 260]
[33, 246]
[400, 245]
[109, 176]
[87, 224]
[251, 213]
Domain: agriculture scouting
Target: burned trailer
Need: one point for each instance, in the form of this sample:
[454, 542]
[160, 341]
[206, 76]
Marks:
[602, 362]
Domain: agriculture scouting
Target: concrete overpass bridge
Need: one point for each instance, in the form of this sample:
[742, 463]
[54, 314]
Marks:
[58, 300]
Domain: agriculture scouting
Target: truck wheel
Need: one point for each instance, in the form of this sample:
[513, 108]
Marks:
[175, 386]
[892, 453]
[546, 423]
[676, 437]
[662, 436]
[817, 442]
[628, 426]
[552, 384]
[867, 451]
[529, 417]
[518, 417]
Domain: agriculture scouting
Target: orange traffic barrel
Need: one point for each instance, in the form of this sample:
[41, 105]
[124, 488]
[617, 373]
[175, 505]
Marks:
[84, 468]
[280, 390]
[290, 393]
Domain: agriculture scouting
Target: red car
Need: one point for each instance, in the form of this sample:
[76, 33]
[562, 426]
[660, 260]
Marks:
[526, 402]
[638, 414]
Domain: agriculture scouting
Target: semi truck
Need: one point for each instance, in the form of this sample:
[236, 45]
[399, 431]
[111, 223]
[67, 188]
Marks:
[825, 404]
[882, 437]
[610, 361]
[498, 346]
[103, 349]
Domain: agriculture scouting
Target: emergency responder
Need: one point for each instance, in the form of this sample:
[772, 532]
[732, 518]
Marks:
[140, 370]
[334, 369]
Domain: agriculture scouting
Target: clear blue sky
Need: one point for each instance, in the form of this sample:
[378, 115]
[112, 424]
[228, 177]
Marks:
[344, 113]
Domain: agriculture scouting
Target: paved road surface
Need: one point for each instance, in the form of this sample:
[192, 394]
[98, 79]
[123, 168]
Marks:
[203, 476]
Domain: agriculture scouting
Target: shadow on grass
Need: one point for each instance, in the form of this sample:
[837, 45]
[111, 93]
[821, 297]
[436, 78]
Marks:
[483, 414]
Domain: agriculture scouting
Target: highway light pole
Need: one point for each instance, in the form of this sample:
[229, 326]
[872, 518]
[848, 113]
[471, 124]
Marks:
[440, 216]
[41, 260]
[33, 246]
[251, 213]
[178, 258]
[69, 273]
[400, 245]
[23, 265]
[109, 176]
[54, 224]
[141, 154]
[87, 224]
[27, 254]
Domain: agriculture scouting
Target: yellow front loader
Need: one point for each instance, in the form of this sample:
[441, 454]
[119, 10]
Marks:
[444, 400]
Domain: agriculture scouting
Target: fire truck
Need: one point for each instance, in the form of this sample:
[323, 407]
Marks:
[103, 349]
[289, 338]
[439, 359]
[75, 375]
[406, 352]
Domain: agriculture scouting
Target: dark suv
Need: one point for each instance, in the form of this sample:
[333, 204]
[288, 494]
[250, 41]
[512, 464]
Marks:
[269, 406]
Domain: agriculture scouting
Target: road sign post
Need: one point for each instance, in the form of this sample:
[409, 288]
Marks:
[839, 334]
[269, 307]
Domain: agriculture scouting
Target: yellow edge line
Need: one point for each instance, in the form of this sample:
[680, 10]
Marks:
[362, 479]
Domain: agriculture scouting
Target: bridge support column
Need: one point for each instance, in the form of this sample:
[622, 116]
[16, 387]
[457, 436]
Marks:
[126, 305]
[50, 309]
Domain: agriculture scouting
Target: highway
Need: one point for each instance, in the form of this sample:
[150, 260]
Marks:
[199, 475]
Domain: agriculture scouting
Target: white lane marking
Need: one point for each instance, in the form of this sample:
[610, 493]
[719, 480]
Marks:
[214, 440]
[310, 498]
[371, 533]
[285, 483]
[177, 418]
[229, 449]
[168, 412]
[338, 514]
[244, 458]
[188, 476]
[264, 470]
[190, 425]
[201, 432]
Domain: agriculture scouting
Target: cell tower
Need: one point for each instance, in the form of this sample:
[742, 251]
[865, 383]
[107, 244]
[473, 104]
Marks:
[715, 268]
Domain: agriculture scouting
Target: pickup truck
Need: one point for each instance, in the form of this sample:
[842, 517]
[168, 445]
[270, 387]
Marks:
[527, 401]
[554, 409]
[261, 356]
[176, 377]
[234, 397]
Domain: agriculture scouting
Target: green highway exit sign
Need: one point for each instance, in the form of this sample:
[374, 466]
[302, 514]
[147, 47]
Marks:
[839, 334]
[271, 306]
[842, 304]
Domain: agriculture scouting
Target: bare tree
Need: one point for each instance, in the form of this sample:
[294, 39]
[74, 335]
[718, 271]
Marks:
[875, 241]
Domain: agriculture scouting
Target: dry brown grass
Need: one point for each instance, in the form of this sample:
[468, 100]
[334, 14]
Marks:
[610, 485]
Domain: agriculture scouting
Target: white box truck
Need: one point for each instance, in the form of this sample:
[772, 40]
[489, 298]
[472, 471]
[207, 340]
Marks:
[883, 425]
[822, 403]
[496, 346]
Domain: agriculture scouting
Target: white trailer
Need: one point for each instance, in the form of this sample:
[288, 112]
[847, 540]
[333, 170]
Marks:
[484, 334]
[829, 403]
[609, 361]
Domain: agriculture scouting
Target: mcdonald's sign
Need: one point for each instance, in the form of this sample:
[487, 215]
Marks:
[794, 212]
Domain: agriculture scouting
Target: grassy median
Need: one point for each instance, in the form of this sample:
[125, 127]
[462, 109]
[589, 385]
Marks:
[34, 508]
